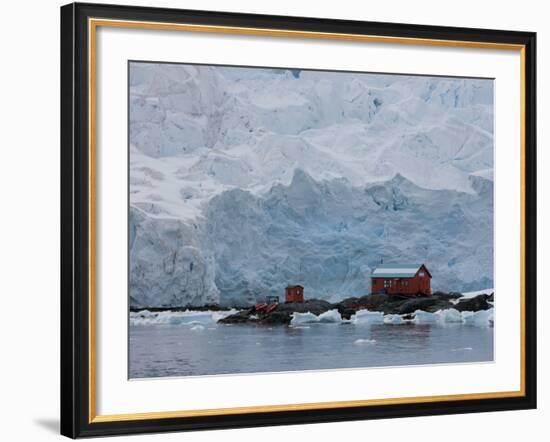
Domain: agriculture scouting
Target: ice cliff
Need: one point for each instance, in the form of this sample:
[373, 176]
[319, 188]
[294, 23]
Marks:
[244, 180]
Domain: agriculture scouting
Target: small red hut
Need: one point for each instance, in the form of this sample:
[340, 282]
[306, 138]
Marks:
[405, 279]
[294, 293]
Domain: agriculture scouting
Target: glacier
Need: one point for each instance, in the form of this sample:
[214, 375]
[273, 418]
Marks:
[243, 180]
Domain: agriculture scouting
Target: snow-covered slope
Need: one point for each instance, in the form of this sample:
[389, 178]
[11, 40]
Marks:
[243, 180]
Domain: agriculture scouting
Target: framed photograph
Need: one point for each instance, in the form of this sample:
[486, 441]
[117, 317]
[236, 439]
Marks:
[274, 220]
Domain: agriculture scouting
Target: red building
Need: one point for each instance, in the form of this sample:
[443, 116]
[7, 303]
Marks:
[294, 293]
[405, 279]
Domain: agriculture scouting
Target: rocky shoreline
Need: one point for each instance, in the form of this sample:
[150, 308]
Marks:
[386, 304]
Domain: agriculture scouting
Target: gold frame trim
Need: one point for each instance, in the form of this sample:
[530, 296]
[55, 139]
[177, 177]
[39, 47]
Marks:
[93, 24]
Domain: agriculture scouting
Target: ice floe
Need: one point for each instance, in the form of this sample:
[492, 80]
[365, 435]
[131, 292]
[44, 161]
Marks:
[364, 341]
[394, 319]
[331, 316]
[200, 320]
[362, 317]
[452, 316]
[187, 317]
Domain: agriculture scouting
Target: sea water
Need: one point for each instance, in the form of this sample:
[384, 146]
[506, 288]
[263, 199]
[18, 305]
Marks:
[193, 346]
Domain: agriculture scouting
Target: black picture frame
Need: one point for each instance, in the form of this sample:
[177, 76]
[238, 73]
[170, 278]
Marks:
[75, 221]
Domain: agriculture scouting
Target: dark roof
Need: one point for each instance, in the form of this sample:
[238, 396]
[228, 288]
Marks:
[294, 286]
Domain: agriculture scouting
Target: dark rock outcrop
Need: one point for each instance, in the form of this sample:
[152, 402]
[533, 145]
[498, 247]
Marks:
[241, 317]
[430, 304]
[315, 306]
[277, 317]
[479, 302]
[388, 304]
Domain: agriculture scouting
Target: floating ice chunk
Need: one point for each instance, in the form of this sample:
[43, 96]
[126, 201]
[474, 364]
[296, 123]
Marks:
[303, 318]
[393, 319]
[146, 314]
[197, 327]
[479, 318]
[143, 317]
[191, 323]
[187, 317]
[330, 316]
[422, 317]
[449, 316]
[364, 341]
[362, 317]
[483, 318]
[175, 319]
[452, 316]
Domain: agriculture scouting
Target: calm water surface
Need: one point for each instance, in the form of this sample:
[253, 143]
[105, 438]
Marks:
[183, 350]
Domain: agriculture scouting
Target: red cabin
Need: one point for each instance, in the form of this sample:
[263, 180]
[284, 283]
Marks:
[294, 293]
[405, 279]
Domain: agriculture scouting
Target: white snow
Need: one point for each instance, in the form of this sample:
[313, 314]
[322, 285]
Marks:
[476, 293]
[468, 295]
[363, 317]
[251, 128]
